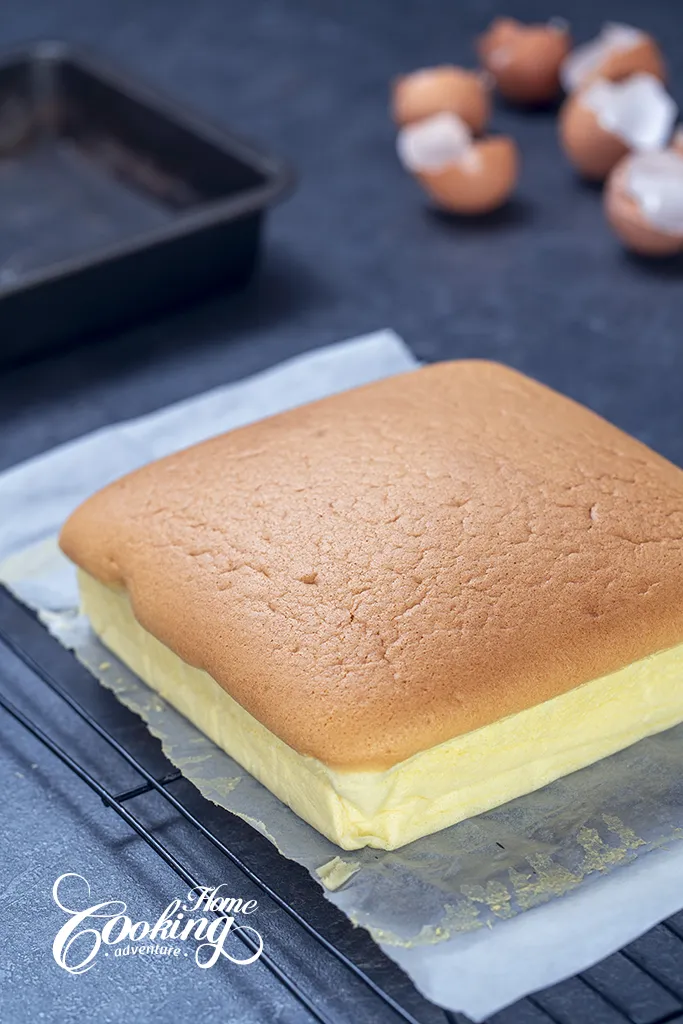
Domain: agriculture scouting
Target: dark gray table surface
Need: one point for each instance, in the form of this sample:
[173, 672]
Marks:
[541, 286]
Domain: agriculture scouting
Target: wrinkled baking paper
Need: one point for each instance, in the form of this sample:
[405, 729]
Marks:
[479, 914]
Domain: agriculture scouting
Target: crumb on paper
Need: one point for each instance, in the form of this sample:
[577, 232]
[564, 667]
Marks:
[456, 920]
[599, 855]
[547, 879]
[495, 895]
[104, 665]
[336, 872]
[626, 834]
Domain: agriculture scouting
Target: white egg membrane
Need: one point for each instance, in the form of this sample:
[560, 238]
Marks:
[585, 59]
[434, 143]
[638, 110]
[655, 181]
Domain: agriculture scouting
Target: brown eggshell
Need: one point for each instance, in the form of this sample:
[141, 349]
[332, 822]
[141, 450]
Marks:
[629, 223]
[524, 60]
[645, 56]
[481, 182]
[442, 89]
[591, 150]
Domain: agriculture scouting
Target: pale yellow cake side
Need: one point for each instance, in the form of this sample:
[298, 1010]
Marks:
[432, 789]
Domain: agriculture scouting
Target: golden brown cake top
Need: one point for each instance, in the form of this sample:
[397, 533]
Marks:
[383, 570]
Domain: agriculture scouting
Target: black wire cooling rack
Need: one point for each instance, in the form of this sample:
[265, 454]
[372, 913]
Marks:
[642, 984]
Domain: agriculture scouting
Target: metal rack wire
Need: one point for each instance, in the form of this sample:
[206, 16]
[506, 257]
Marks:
[148, 783]
[117, 802]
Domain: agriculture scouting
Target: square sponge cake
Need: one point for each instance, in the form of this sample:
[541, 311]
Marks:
[402, 605]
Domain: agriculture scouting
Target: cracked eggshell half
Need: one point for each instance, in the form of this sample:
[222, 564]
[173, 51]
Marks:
[525, 60]
[617, 52]
[444, 89]
[460, 174]
[599, 125]
[644, 202]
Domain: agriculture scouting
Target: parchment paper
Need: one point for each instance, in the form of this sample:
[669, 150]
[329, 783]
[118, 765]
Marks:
[478, 914]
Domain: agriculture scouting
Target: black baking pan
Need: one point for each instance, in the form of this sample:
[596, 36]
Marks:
[114, 203]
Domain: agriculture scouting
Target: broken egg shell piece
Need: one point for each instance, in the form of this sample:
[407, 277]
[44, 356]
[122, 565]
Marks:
[617, 52]
[443, 89]
[644, 203]
[525, 60]
[591, 150]
[479, 182]
[600, 124]
[655, 180]
[638, 109]
[434, 143]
